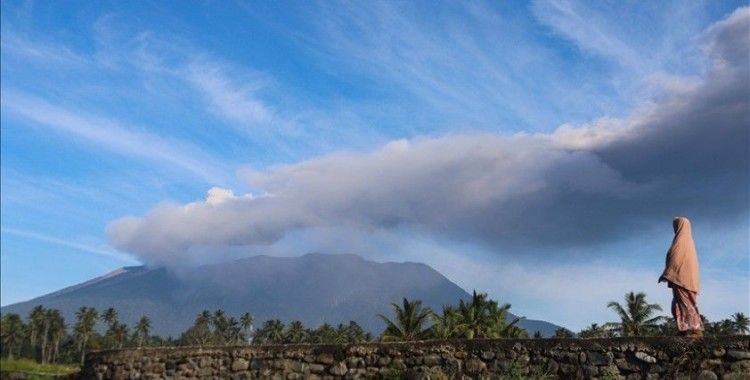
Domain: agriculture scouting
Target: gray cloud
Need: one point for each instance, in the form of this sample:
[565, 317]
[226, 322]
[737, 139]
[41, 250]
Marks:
[685, 153]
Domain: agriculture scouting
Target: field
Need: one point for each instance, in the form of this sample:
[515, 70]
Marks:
[36, 370]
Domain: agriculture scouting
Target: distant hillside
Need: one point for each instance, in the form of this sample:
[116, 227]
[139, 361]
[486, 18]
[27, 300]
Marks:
[314, 288]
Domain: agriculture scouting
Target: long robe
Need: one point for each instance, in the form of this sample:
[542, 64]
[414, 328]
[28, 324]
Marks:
[682, 272]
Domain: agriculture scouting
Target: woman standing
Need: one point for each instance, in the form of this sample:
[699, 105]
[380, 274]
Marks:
[681, 274]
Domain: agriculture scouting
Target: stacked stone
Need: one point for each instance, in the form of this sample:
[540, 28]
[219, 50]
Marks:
[619, 358]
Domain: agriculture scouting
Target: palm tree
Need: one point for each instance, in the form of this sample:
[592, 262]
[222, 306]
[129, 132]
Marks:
[409, 322]
[473, 317]
[204, 317]
[142, 328]
[56, 333]
[84, 328]
[109, 316]
[200, 332]
[667, 327]
[726, 327]
[272, 332]
[12, 332]
[46, 322]
[636, 316]
[341, 335]
[709, 327]
[445, 325]
[233, 331]
[501, 328]
[595, 331]
[354, 333]
[484, 318]
[295, 333]
[741, 323]
[119, 333]
[246, 322]
[324, 334]
[720, 328]
[221, 326]
[36, 325]
[515, 332]
[562, 332]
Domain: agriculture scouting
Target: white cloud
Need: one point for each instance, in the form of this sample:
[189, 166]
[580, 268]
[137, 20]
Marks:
[577, 186]
[218, 195]
[636, 41]
[582, 25]
[39, 52]
[235, 99]
[728, 41]
[101, 251]
[479, 69]
[102, 133]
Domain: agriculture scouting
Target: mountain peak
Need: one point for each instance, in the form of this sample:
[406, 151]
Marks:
[313, 288]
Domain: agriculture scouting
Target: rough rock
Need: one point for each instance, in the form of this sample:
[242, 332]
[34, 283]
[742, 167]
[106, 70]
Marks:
[475, 366]
[738, 355]
[707, 375]
[240, 364]
[619, 358]
[644, 357]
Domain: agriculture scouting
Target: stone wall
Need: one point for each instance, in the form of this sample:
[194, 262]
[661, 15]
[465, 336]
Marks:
[618, 358]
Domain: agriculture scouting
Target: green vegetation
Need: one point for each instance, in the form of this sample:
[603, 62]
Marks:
[485, 318]
[477, 318]
[392, 374]
[518, 371]
[142, 330]
[434, 374]
[84, 328]
[737, 324]
[562, 332]
[409, 323]
[740, 323]
[596, 331]
[40, 370]
[43, 337]
[609, 373]
[636, 316]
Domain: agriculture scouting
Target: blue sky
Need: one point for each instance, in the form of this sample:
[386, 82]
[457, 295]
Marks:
[328, 120]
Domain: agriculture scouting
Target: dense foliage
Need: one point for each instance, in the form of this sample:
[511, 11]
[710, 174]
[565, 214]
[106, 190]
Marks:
[638, 318]
[45, 337]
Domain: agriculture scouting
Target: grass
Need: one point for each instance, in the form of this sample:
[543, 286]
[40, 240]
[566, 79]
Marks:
[516, 372]
[41, 371]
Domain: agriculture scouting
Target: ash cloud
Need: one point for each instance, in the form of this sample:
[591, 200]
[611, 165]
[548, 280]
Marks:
[686, 153]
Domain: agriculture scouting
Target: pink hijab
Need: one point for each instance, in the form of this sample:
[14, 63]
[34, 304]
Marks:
[682, 258]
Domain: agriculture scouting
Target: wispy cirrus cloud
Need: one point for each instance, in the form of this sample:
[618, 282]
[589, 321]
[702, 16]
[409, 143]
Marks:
[39, 52]
[640, 45]
[584, 26]
[233, 93]
[235, 100]
[443, 66]
[101, 251]
[243, 99]
[111, 135]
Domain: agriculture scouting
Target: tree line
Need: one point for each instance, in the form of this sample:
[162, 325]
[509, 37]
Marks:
[218, 329]
[639, 318]
[44, 334]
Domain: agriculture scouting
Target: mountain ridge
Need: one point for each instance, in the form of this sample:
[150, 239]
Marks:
[314, 288]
